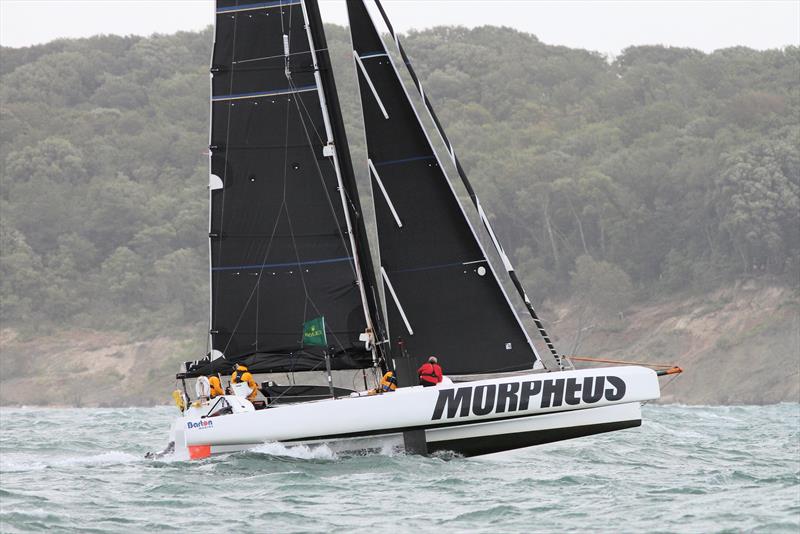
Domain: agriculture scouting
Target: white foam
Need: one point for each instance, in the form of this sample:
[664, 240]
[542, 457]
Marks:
[110, 457]
[302, 452]
[11, 465]
[8, 465]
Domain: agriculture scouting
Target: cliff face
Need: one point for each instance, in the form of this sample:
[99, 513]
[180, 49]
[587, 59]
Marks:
[89, 368]
[737, 346]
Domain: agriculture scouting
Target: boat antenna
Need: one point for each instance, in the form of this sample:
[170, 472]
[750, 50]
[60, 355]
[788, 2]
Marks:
[472, 195]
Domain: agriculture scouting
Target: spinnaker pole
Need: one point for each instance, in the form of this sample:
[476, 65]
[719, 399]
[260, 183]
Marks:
[472, 195]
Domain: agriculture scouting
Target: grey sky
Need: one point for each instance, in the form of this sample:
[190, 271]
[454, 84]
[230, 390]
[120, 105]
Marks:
[605, 26]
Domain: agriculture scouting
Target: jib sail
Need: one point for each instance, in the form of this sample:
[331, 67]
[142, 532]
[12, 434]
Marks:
[443, 296]
[282, 235]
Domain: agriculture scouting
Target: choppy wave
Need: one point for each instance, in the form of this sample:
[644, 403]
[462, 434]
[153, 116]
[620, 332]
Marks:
[301, 452]
[687, 469]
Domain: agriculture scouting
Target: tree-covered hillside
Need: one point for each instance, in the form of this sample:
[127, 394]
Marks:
[664, 170]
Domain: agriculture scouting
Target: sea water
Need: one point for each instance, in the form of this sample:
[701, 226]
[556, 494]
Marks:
[687, 469]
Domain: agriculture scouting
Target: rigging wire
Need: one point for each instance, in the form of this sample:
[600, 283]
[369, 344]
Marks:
[666, 385]
[622, 362]
[321, 176]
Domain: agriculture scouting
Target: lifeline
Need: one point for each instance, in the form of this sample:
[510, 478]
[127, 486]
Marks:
[516, 396]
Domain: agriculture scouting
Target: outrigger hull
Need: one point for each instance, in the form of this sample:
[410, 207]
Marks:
[468, 418]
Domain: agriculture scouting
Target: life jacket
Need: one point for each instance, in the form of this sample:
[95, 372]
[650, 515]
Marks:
[430, 373]
[246, 377]
[180, 400]
[216, 387]
[238, 375]
[389, 382]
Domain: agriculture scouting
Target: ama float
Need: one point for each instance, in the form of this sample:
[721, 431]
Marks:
[289, 247]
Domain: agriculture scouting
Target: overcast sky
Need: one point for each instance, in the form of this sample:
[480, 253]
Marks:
[605, 26]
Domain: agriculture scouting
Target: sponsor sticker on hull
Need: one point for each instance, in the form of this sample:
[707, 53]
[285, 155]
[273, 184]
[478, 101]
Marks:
[201, 425]
[521, 396]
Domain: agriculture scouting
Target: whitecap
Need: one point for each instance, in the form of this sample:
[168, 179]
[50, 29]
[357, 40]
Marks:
[301, 452]
[110, 457]
[12, 465]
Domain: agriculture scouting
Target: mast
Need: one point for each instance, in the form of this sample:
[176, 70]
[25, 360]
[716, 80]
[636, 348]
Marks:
[471, 191]
[334, 129]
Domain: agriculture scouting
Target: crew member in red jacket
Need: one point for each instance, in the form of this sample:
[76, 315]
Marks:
[430, 373]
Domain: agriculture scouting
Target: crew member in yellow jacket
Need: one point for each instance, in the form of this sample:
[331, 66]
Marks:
[241, 374]
[387, 385]
[216, 386]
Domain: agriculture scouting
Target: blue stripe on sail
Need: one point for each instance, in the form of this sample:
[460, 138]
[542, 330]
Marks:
[404, 160]
[276, 92]
[373, 54]
[432, 267]
[259, 5]
[290, 264]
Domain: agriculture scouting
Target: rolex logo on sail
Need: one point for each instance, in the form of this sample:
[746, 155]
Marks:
[521, 396]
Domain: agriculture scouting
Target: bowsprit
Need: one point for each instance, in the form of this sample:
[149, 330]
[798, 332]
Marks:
[520, 396]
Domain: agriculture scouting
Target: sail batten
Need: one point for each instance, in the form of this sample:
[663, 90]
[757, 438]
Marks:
[377, 177]
[257, 5]
[371, 85]
[257, 94]
[285, 264]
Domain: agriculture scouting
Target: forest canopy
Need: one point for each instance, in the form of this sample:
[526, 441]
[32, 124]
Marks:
[662, 170]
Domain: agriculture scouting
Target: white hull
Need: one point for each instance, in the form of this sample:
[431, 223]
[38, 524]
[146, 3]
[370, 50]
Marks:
[469, 418]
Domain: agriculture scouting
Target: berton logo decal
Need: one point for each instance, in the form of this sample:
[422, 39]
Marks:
[204, 423]
[516, 396]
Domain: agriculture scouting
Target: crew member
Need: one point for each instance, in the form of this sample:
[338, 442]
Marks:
[388, 384]
[216, 386]
[430, 373]
[241, 374]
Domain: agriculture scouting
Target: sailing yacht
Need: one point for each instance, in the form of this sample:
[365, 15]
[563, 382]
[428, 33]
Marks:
[289, 246]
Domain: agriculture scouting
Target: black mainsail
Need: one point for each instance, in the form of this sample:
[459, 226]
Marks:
[443, 296]
[286, 240]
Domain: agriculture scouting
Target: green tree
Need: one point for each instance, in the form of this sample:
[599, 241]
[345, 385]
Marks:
[601, 285]
[758, 198]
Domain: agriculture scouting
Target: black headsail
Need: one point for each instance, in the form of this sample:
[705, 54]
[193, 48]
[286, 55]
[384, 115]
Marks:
[473, 197]
[284, 245]
[443, 295]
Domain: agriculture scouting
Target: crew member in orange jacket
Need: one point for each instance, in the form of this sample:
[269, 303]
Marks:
[430, 373]
[216, 386]
[241, 374]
